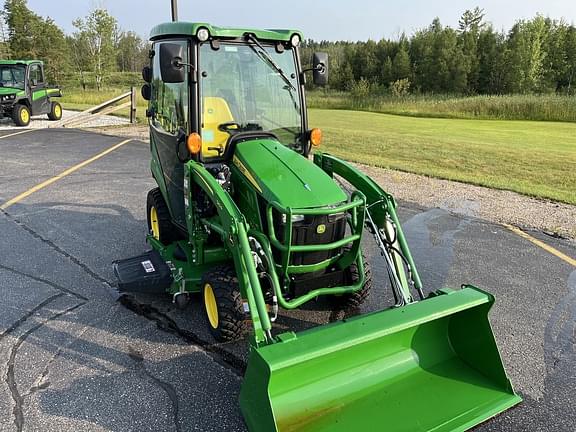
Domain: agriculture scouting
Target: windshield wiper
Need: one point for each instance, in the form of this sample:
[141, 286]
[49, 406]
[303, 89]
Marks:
[261, 52]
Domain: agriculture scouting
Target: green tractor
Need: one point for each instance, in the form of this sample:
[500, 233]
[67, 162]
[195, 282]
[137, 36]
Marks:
[250, 217]
[24, 92]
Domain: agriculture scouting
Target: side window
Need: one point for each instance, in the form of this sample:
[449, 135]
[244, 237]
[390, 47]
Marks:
[36, 74]
[169, 101]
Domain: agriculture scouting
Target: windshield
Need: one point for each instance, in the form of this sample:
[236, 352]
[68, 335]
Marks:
[12, 76]
[243, 89]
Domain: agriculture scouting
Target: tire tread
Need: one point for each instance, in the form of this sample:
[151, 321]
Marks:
[232, 324]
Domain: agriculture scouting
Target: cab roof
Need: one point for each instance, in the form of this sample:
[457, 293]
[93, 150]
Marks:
[181, 28]
[19, 62]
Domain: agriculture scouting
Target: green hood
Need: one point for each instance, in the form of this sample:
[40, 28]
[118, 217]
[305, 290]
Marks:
[280, 174]
[10, 90]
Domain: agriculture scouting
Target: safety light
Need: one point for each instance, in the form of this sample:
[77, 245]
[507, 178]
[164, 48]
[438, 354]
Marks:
[316, 137]
[295, 40]
[293, 218]
[194, 143]
[202, 34]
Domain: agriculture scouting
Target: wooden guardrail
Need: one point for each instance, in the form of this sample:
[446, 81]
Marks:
[104, 108]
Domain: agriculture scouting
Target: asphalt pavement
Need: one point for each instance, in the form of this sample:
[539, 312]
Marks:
[76, 356]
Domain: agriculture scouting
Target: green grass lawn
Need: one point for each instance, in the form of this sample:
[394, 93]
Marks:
[483, 107]
[533, 158]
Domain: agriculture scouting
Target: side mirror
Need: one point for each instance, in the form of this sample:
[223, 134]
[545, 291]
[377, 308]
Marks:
[171, 63]
[320, 68]
[146, 92]
[147, 74]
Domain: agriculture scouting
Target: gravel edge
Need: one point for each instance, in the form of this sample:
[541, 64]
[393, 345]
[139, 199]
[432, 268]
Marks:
[499, 206]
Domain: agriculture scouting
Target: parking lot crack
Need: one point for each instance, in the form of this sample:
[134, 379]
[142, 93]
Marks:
[138, 359]
[10, 378]
[223, 357]
[44, 281]
[58, 249]
[28, 314]
[42, 382]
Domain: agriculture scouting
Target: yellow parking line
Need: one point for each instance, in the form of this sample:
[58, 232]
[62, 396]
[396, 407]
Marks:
[541, 244]
[17, 133]
[61, 175]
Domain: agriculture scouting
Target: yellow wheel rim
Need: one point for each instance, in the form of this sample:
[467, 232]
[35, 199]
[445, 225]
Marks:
[211, 306]
[57, 111]
[24, 116]
[154, 225]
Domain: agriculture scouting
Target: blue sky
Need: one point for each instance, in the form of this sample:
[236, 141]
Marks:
[320, 19]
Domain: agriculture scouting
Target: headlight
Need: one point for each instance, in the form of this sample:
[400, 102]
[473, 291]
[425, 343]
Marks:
[295, 40]
[294, 218]
[202, 34]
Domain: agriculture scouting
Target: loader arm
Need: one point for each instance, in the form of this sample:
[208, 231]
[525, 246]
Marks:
[381, 211]
[232, 227]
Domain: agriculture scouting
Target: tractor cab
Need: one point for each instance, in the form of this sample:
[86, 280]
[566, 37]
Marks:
[210, 88]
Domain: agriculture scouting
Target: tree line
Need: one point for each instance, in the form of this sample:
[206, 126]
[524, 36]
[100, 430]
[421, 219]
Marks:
[535, 56]
[96, 48]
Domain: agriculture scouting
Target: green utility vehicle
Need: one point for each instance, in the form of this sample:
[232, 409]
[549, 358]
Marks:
[250, 217]
[24, 92]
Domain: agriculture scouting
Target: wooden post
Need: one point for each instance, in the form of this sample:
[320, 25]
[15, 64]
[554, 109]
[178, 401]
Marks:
[133, 105]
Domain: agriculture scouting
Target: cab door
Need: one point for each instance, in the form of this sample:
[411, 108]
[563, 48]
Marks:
[169, 109]
[38, 92]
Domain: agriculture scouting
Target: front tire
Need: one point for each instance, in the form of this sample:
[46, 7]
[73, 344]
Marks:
[223, 304]
[55, 111]
[356, 299]
[159, 222]
[21, 115]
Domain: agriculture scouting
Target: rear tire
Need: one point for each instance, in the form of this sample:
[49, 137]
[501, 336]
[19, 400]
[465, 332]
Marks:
[223, 304]
[55, 111]
[356, 299]
[21, 115]
[159, 221]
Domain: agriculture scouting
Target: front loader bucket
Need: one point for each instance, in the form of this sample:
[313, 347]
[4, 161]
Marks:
[428, 366]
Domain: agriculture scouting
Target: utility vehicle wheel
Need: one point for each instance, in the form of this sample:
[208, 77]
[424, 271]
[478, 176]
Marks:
[159, 222]
[356, 299]
[21, 115]
[223, 304]
[55, 111]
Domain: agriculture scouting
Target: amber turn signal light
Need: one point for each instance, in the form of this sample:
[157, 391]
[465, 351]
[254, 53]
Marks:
[316, 137]
[194, 143]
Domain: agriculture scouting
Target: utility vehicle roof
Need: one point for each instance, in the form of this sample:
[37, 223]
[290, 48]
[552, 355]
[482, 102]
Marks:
[181, 28]
[15, 62]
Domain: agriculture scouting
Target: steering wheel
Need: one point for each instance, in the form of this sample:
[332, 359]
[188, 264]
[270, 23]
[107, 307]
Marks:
[229, 127]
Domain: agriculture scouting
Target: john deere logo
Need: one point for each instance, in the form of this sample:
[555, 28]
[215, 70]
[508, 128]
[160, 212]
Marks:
[321, 229]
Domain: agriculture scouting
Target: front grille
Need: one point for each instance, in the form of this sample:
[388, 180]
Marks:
[307, 232]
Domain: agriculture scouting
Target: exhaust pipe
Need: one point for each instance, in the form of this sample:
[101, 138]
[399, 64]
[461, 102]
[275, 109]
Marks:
[174, 10]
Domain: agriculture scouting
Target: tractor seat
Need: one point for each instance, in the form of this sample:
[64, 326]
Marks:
[216, 112]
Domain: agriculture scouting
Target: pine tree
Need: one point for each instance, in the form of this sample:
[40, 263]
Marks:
[401, 67]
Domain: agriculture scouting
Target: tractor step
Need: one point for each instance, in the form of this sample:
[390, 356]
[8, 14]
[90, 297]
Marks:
[147, 273]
